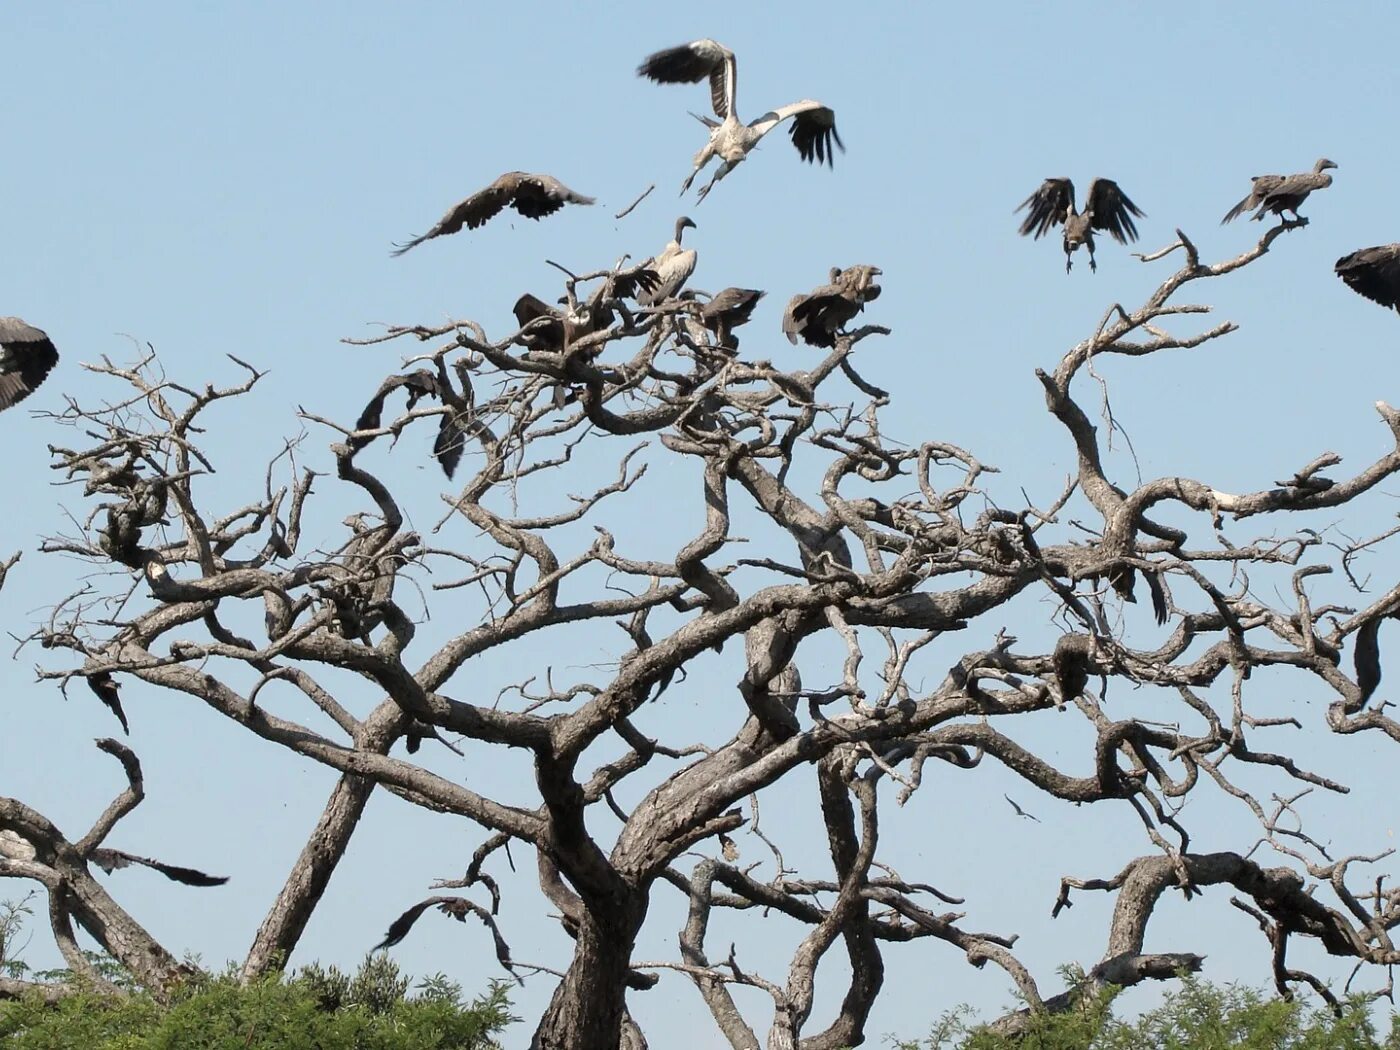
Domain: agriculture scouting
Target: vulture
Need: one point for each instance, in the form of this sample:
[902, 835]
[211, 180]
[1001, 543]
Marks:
[813, 124]
[673, 267]
[419, 384]
[1281, 193]
[1072, 662]
[822, 313]
[563, 327]
[450, 441]
[1374, 273]
[106, 689]
[726, 311]
[109, 860]
[26, 359]
[1106, 208]
[533, 196]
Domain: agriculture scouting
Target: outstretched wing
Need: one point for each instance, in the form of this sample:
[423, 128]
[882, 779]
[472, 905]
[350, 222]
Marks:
[1374, 273]
[1110, 210]
[693, 62]
[1049, 207]
[733, 306]
[813, 129]
[471, 212]
[457, 907]
[109, 860]
[536, 196]
[26, 358]
[420, 383]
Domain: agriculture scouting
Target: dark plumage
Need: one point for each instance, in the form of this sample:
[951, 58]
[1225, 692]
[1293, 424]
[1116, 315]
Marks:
[105, 687]
[450, 440]
[1106, 208]
[419, 384]
[1071, 662]
[26, 358]
[728, 310]
[109, 860]
[1366, 658]
[533, 196]
[457, 907]
[820, 315]
[1281, 193]
[1374, 273]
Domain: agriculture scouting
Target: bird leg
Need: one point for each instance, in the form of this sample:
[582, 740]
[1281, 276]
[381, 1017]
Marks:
[1069, 258]
[720, 172]
[1093, 266]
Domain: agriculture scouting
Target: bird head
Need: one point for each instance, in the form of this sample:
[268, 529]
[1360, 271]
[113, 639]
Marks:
[681, 224]
[1323, 165]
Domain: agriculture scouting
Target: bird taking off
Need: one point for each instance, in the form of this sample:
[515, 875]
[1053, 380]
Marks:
[1106, 208]
[533, 196]
[1374, 273]
[1281, 193]
[813, 124]
[26, 358]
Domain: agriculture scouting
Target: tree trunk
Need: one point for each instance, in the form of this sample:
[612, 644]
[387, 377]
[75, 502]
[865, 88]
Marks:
[589, 1006]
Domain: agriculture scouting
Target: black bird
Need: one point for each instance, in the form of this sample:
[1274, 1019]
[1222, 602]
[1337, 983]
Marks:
[1374, 273]
[26, 358]
[1106, 208]
[1281, 193]
[105, 686]
[533, 196]
[727, 310]
[822, 313]
[1071, 663]
[109, 860]
[419, 384]
[457, 907]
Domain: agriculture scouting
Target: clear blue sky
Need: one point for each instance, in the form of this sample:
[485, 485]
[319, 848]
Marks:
[228, 179]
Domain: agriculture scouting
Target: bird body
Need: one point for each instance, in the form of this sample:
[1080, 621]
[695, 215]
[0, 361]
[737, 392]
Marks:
[819, 316]
[813, 124]
[1106, 208]
[26, 358]
[533, 196]
[1374, 273]
[1281, 193]
[672, 266]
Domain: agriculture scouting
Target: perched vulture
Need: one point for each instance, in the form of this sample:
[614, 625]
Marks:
[673, 267]
[1281, 193]
[724, 312]
[1072, 662]
[563, 327]
[1374, 273]
[109, 860]
[820, 315]
[533, 196]
[26, 359]
[1106, 208]
[107, 690]
[813, 124]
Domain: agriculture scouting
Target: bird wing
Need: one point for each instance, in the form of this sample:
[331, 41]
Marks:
[693, 62]
[471, 212]
[458, 907]
[1261, 186]
[535, 196]
[813, 129]
[1299, 185]
[1049, 207]
[1109, 209]
[26, 358]
[734, 305]
[105, 687]
[419, 383]
[1374, 273]
[109, 860]
[819, 315]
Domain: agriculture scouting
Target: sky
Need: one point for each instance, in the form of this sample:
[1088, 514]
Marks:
[218, 180]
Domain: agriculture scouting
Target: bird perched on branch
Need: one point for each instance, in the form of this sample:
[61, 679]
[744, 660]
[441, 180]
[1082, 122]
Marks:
[533, 196]
[26, 358]
[1374, 273]
[820, 315]
[1281, 193]
[813, 124]
[672, 266]
[1106, 208]
[726, 311]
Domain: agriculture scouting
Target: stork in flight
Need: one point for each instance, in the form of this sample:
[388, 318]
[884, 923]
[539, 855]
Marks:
[813, 124]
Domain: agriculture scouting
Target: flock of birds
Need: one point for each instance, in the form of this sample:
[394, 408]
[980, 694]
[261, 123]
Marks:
[27, 356]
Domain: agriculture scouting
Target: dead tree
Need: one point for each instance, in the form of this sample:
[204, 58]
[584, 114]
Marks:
[898, 544]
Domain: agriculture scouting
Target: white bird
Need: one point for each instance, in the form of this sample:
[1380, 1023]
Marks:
[673, 267]
[813, 124]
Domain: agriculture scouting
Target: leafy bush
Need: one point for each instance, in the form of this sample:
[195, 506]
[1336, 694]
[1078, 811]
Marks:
[318, 1009]
[1196, 1016]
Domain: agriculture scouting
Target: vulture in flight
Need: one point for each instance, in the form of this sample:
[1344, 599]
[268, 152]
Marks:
[813, 124]
[672, 267]
[1281, 193]
[1374, 273]
[26, 359]
[820, 315]
[1106, 208]
[533, 196]
[107, 689]
[109, 860]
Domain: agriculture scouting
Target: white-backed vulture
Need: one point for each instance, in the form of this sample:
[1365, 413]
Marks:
[26, 358]
[673, 266]
[533, 196]
[820, 315]
[1374, 273]
[1281, 193]
[1106, 207]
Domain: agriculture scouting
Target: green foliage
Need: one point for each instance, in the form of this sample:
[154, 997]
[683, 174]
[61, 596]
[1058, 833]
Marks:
[1196, 1016]
[318, 1009]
